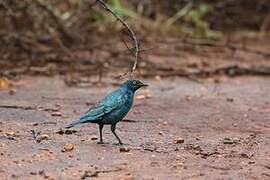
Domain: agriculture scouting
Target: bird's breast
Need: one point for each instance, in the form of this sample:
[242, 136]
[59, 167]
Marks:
[118, 114]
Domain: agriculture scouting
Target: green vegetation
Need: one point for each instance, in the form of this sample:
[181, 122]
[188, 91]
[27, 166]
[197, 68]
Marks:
[200, 27]
[189, 20]
[40, 19]
[122, 10]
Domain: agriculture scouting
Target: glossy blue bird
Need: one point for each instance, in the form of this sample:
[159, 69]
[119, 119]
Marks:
[112, 109]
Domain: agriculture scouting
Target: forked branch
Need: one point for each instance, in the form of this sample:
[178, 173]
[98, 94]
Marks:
[130, 31]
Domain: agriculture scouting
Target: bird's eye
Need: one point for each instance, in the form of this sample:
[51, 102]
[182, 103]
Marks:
[134, 82]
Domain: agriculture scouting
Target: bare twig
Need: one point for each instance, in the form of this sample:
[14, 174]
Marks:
[47, 109]
[179, 14]
[129, 120]
[140, 50]
[18, 107]
[89, 174]
[128, 48]
[65, 49]
[132, 34]
[35, 134]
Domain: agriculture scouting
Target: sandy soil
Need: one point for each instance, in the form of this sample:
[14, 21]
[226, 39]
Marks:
[177, 129]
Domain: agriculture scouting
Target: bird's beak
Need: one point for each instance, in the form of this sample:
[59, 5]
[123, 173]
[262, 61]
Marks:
[143, 85]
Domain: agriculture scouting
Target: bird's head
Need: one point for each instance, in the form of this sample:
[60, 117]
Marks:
[134, 85]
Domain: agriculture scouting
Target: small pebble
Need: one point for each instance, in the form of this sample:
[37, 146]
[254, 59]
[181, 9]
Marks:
[160, 133]
[42, 137]
[124, 149]
[230, 99]
[12, 91]
[179, 141]
[157, 77]
[68, 147]
[188, 98]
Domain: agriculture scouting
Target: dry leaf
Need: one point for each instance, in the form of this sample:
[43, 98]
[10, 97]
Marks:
[94, 138]
[57, 113]
[5, 83]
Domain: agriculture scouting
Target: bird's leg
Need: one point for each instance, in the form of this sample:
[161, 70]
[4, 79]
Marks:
[113, 130]
[100, 133]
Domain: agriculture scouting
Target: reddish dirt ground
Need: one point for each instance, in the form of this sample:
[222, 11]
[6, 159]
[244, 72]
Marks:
[177, 129]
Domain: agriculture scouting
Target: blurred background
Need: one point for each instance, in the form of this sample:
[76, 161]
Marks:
[205, 113]
[199, 38]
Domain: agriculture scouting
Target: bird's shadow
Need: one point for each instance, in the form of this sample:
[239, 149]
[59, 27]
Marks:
[107, 144]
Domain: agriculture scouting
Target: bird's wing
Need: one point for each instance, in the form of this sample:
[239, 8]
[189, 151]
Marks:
[107, 105]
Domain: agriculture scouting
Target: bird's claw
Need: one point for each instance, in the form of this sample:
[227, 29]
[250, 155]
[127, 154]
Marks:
[100, 142]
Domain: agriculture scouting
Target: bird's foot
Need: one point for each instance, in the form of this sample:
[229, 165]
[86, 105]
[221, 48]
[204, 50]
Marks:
[100, 142]
[118, 144]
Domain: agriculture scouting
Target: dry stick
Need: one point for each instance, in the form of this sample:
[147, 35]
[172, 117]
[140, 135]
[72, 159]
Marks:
[18, 107]
[132, 34]
[140, 50]
[128, 48]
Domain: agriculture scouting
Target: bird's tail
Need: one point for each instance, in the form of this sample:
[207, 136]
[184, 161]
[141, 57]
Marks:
[74, 123]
